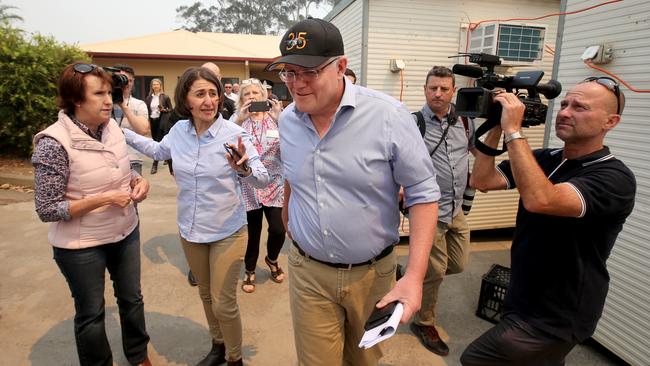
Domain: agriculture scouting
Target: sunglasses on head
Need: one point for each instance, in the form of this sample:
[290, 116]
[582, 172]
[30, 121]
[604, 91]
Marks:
[84, 68]
[251, 81]
[611, 85]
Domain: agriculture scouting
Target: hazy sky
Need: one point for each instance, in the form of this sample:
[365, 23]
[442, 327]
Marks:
[91, 21]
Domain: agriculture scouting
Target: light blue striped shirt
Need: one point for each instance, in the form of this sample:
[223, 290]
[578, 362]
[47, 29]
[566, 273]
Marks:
[343, 206]
[210, 205]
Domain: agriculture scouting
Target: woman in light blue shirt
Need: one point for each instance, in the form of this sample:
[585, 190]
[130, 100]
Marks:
[211, 213]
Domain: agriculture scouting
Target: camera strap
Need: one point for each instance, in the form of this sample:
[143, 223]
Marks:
[482, 130]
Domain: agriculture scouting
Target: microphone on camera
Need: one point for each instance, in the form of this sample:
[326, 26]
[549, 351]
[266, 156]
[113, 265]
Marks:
[468, 70]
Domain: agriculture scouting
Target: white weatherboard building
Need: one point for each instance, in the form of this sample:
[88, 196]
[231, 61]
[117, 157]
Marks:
[381, 34]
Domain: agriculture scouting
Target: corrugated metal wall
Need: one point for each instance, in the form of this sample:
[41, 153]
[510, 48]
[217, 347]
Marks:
[625, 325]
[349, 22]
[425, 33]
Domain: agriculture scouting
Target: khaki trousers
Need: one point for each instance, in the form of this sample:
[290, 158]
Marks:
[329, 307]
[216, 267]
[449, 255]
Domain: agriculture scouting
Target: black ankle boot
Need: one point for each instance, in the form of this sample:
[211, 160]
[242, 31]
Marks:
[154, 167]
[216, 357]
[236, 363]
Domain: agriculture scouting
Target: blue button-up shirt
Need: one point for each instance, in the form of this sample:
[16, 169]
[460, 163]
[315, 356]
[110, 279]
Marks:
[343, 206]
[451, 159]
[210, 205]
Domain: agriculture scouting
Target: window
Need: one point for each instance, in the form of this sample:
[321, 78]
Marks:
[513, 43]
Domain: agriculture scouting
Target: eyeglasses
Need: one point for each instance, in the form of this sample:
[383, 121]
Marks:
[611, 85]
[306, 75]
[251, 81]
[84, 68]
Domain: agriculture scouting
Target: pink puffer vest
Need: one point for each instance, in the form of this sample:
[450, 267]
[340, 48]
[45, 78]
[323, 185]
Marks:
[95, 167]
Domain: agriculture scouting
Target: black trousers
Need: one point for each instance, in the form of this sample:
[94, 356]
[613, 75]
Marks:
[84, 270]
[515, 342]
[276, 235]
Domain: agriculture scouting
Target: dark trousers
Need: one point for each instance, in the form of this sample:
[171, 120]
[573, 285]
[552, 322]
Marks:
[156, 133]
[515, 342]
[276, 235]
[84, 270]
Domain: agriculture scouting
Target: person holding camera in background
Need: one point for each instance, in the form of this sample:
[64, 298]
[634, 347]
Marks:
[259, 118]
[448, 139]
[159, 107]
[346, 150]
[573, 203]
[131, 110]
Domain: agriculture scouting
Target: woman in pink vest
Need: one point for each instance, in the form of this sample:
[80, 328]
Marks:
[85, 187]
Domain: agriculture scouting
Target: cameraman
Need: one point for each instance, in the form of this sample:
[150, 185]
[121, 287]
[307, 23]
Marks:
[573, 204]
[448, 141]
[131, 111]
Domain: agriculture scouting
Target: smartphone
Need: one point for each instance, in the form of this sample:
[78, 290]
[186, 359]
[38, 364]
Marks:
[380, 315]
[263, 106]
[235, 155]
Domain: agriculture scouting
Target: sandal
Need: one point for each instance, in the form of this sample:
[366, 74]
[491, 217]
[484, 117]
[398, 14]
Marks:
[277, 274]
[248, 284]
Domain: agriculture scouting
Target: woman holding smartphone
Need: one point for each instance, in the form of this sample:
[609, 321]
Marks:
[259, 116]
[211, 215]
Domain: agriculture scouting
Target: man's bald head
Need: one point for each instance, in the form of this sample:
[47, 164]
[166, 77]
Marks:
[613, 95]
[214, 68]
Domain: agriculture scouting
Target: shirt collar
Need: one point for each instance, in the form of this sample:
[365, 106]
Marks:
[426, 110]
[212, 130]
[349, 99]
[590, 159]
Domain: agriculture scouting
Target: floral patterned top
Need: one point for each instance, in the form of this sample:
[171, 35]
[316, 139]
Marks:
[266, 138]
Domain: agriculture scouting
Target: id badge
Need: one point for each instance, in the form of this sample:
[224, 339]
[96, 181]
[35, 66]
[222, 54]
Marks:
[273, 134]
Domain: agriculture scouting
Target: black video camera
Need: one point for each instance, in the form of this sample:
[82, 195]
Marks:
[478, 102]
[119, 82]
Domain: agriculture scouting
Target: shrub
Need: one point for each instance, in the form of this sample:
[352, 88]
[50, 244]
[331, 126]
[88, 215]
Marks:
[29, 69]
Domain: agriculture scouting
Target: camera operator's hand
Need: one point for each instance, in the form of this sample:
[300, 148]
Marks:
[513, 112]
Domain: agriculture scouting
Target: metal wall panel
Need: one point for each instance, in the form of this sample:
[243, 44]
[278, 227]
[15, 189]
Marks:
[625, 325]
[425, 33]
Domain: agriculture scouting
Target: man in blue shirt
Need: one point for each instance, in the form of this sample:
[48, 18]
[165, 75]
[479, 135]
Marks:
[346, 150]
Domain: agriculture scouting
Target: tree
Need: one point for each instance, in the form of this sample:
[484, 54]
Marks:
[29, 69]
[246, 16]
[5, 16]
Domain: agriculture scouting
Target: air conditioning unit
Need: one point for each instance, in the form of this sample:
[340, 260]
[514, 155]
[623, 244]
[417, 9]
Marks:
[516, 44]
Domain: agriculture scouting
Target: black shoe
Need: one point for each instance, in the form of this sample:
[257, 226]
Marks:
[430, 339]
[154, 168]
[399, 272]
[216, 357]
[191, 279]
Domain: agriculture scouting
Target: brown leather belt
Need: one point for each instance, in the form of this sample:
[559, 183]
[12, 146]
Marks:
[380, 256]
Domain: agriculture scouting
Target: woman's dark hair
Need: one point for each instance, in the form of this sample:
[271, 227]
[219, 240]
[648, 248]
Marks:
[185, 83]
[71, 86]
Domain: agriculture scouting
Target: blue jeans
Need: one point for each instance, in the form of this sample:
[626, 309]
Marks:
[84, 270]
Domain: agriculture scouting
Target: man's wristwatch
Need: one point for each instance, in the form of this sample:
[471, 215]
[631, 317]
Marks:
[514, 136]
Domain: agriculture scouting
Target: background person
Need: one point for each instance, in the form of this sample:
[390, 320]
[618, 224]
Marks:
[211, 214]
[159, 106]
[131, 111]
[573, 203]
[228, 108]
[448, 142]
[90, 204]
[266, 201]
[346, 150]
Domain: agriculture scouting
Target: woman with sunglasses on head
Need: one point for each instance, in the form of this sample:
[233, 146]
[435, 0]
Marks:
[211, 214]
[85, 187]
[262, 124]
[159, 107]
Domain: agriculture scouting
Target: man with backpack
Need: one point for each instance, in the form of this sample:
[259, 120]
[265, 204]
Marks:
[448, 139]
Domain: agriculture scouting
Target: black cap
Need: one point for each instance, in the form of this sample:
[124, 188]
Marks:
[308, 44]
